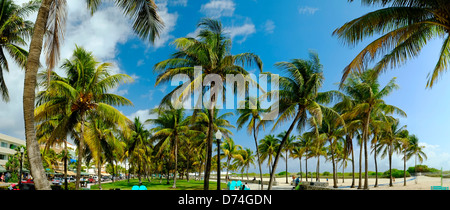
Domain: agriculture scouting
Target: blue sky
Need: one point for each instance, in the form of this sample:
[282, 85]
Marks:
[274, 30]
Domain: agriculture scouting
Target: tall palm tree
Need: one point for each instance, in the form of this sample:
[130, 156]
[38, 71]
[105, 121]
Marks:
[231, 151]
[101, 140]
[82, 93]
[136, 139]
[255, 122]
[333, 126]
[248, 158]
[50, 23]
[390, 137]
[406, 27]
[367, 96]
[416, 150]
[14, 32]
[288, 147]
[298, 95]
[212, 51]
[171, 128]
[269, 146]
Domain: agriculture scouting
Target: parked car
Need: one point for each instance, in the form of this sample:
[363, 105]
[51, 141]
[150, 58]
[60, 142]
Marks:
[28, 181]
[57, 181]
[69, 180]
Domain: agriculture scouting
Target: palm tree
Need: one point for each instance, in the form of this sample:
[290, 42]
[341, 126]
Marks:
[288, 147]
[393, 135]
[298, 95]
[406, 27]
[231, 151]
[255, 122]
[83, 93]
[416, 150]
[334, 128]
[248, 158]
[14, 32]
[269, 146]
[367, 98]
[171, 127]
[101, 141]
[50, 22]
[212, 51]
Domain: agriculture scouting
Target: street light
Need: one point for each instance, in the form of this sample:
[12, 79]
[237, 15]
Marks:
[218, 138]
[21, 160]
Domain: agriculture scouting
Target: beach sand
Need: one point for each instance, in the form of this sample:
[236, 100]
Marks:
[412, 183]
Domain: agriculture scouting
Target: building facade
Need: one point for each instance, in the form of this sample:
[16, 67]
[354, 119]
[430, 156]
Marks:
[7, 146]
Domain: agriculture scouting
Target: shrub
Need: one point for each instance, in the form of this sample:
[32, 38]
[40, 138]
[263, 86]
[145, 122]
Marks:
[396, 173]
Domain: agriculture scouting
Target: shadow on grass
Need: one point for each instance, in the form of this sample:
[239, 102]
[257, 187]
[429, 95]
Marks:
[156, 185]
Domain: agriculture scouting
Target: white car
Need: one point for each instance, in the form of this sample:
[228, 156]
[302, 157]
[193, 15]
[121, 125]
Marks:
[57, 181]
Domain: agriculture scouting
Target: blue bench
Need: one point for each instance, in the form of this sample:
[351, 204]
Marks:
[438, 188]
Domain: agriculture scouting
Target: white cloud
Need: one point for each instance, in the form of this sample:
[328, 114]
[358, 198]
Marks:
[100, 34]
[269, 26]
[218, 8]
[242, 31]
[308, 10]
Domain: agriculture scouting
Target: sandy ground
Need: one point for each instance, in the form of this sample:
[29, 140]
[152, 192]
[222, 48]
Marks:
[412, 183]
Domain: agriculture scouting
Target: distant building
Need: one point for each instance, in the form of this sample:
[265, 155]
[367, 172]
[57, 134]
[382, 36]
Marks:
[7, 146]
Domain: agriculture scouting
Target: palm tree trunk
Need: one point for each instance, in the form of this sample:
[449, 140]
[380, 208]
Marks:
[277, 157]
[306, 168]
[257, 154]
[334, 166]
[404, 169]
[366, 156]
[65, 165]
[390, 166]
[209, 147]
[176, 162]
[360, 165]
[80, 154]
[286, 167]
[317, 169]
[376, 166]
[99, 172]
[301, 176]
[350, 137]
[29, 95]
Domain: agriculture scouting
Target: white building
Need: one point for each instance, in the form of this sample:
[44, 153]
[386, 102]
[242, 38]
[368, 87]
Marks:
[7, 146]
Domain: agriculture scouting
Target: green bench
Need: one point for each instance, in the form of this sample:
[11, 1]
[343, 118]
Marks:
[438, 188]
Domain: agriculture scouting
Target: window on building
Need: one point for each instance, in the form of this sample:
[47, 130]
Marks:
[4, 144]
[2, 157]
[12, 146]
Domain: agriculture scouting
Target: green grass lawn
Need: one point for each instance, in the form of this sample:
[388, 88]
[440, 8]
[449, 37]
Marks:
[155, 185]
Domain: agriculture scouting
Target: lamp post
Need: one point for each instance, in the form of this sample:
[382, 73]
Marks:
[21, 160]
[218, 138]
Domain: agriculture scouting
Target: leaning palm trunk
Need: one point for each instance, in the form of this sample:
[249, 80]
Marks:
[29, 95]
[277, 157]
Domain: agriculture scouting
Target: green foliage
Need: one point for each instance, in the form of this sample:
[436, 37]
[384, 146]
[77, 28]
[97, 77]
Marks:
[422, 168]
[396, 173]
